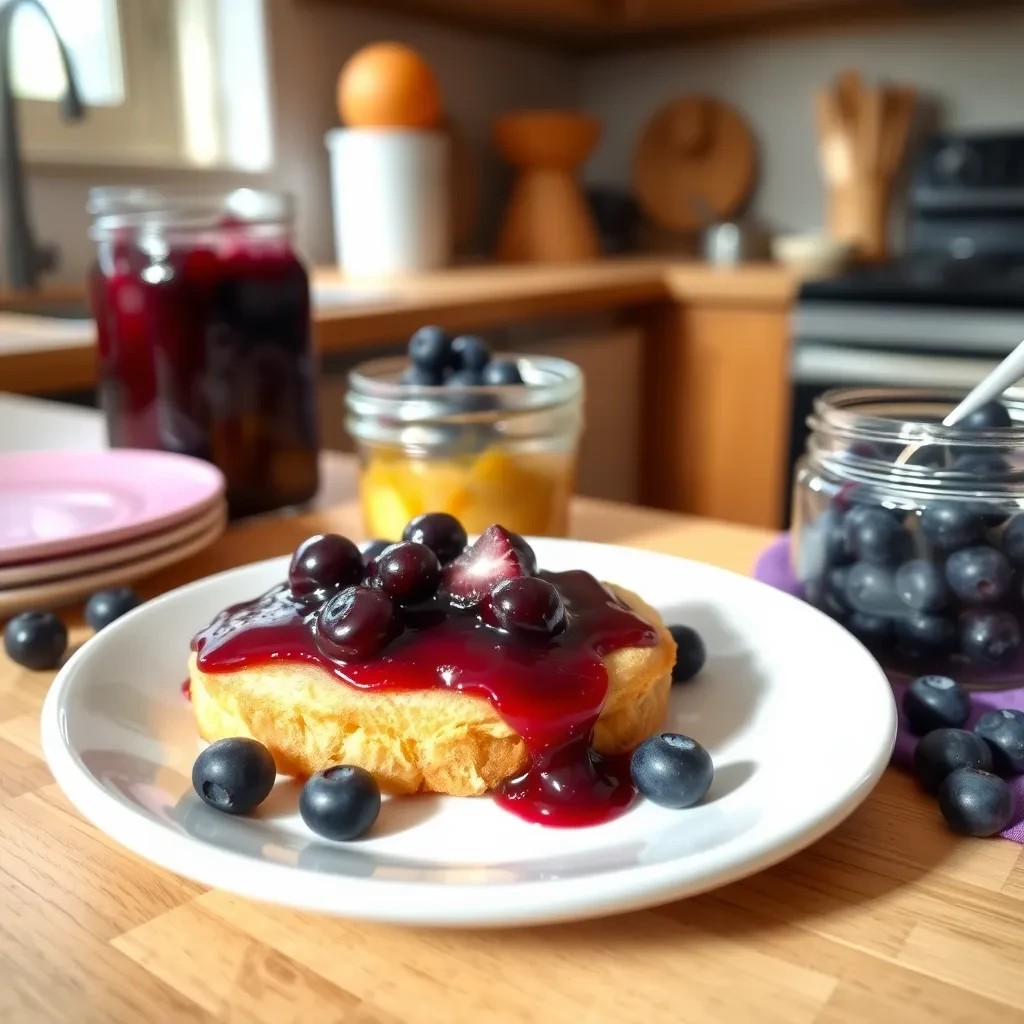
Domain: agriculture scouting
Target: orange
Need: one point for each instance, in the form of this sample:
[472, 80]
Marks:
[388, 85]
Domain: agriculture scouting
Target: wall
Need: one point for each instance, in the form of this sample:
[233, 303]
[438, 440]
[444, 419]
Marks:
[309, 40]
[970, 64]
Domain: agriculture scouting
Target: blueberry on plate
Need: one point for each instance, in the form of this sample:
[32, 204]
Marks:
[943, 751]
[407, 572]
[989, 637]
[1013, 540]
[921, 585]
[875, 536]
[923, 635]
[234, 775]
[430, 350]
[990, 416]
[690, 653]
[975, 802]
[502, 372]
[322, 565]
[36, 640]
[341, 802]
[355, 624]
[470, 353]
[870, 588]
[1003, 731]
[372, 548]
[948, 525]
[672, 770]
[978, 575]
[935, 702]
[104, 606]
[526, 605]
[441, 532]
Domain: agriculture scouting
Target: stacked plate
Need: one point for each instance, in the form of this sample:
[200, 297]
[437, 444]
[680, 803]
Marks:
[72, 522]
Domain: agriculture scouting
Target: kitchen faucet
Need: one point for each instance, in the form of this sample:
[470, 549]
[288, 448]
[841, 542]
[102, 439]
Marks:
[26, 259]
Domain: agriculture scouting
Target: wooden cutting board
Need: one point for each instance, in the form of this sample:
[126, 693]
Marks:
[695, 163]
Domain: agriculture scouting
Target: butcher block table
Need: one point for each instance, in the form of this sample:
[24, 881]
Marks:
[888, 918]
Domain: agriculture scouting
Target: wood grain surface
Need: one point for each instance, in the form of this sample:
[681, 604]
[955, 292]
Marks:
[889, 918]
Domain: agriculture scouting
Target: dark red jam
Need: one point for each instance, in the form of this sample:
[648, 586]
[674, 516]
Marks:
[550, 690]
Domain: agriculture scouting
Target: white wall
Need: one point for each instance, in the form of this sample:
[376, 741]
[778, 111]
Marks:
[309, 41]
[973, 65]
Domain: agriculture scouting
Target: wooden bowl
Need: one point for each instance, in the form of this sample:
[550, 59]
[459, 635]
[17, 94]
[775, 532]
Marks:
[558, 139]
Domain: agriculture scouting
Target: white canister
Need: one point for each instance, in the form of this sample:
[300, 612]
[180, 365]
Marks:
[390, 191]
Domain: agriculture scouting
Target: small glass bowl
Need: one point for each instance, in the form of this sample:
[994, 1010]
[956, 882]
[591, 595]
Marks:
[906, 532]
[504, 454]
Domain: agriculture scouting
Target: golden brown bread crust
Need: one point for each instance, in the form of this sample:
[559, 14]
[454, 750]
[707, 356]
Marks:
[430, 740]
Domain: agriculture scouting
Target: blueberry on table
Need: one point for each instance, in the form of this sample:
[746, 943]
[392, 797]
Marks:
[470, 353]
[501, 372]
[975, 802]
[355, 624]
[35, 640]
[322, 565]
[875, 536]
[104, 606]
[527, 605]
[948, 525]
[1013, 540]
[430, 350]
[418, 376]
[1003, 731]
[690, 653]
[441, 532]
[870, 588]
[921, 585]
[672, 770]
[340, 803]
[234, 775]
[943, 751]
[407, 572]
[923, 634]
[935, 702]
[990, 416]
[978, 575]
[989, 637]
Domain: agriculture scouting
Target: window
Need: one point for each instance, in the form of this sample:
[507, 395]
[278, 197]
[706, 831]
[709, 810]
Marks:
[167, 83]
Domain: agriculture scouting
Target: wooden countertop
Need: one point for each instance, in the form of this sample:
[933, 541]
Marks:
[478, 297]
[889, 918]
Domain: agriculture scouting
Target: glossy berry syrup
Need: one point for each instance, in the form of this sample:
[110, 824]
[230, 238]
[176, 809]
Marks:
[550, 690]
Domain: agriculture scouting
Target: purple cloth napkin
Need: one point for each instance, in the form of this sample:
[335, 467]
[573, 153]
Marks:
[773, 567]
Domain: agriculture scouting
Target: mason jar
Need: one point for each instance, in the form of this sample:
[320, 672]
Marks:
[500, 454]
[911, 534]
[203, 325]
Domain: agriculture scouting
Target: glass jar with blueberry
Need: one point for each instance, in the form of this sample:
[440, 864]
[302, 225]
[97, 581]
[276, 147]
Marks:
[452, 428]
[911, 534]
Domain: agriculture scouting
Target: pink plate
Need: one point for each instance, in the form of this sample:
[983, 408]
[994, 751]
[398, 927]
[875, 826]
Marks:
[63, 502]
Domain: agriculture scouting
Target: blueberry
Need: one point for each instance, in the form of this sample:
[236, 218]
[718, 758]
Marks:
[234, 775]
[372, 548]
[921, 585]
[990, 416]
[873, 630]
[943, 751]
[1003, 731]
[923, 635]
[975, 803]
[501, 372]
[322, 565]
[690, 653]
[875, 536]
[430, 350]
[935, 702]
[989, 637]
[341, 802]
[949, 525]
[470, 353]
[870, 588]
[104, 606]
[1013, 540]
[672, 770]
[355, 624]
[442, 533]
[464, 379]
[980, 465]
[527, 605]
[35, 640]
[418, 376]
[979, 575]
[407, 572]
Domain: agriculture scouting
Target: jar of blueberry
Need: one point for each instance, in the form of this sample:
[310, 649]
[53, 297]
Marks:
[911, 534]
[453, 428]
[202, 318]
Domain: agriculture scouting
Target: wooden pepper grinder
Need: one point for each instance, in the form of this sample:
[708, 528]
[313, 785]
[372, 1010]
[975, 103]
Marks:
[547, 219]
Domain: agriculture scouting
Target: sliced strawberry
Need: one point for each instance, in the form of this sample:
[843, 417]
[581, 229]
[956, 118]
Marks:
[491, 560]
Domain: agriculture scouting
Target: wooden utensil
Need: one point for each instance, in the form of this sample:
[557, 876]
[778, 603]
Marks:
[695, 162]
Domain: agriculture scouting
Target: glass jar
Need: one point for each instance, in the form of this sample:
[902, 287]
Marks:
[202, 317]
[909, 532]
[503, 454]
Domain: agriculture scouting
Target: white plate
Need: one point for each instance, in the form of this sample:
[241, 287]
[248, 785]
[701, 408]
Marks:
[798, 717]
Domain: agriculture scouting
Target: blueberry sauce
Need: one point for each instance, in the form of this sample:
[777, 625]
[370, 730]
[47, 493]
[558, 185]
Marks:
[550, 690]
